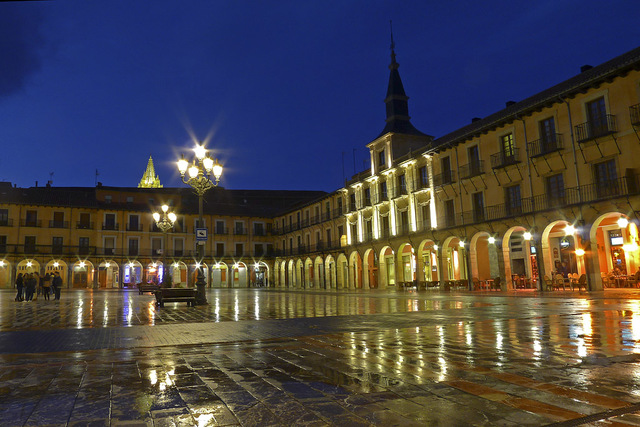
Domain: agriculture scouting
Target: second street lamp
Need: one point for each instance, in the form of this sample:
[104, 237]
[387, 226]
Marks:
[165, 223]
[199, 176]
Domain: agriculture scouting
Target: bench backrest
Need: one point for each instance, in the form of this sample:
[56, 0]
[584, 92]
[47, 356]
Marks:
[177, 292]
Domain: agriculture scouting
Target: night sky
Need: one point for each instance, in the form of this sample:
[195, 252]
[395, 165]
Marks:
[282, 88]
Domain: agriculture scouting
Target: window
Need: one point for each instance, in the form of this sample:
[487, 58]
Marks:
[258, 229]
[340, 206]
[3, 244]
[200, 224]
[352, 202]
[239, 228]
[31, 218]
[507, 146]
[178, 247]
[156, 246]
[258, 249]
[555, 190]
[383, 191]
[474, 161]
[354, 233]
[30, 244]
[129, 199]
[58, 220]
[426, 217]
[404, 222]
[83, 245]
[108, 198]
[606, 178]
[402, 184]
[327, 209]
[340, 230]
[424, 177]
[56, 245]
[478, 206]
[219, 249]
[445, 166]
[109, 245]
[367, 196]
[597, 117]
[328, 237]
[4, 216]
[381, 159]
[133, 246]
[84, 221]
[513, 200]
[449, 213]
[220, 229]
[109, 222]
[386, 230]
[134, 223]
[368, 226]
[547, 129]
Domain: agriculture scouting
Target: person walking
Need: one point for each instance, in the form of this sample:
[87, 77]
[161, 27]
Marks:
[57, 284]
[19, 287]
[46, 286]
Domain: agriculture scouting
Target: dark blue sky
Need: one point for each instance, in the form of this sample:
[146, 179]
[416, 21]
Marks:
[284, 87]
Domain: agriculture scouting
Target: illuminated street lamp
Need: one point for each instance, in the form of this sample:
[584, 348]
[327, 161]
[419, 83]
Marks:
[199, 176]
[165, 223]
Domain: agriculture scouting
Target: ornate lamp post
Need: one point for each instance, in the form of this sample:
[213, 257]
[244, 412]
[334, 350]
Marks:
[202, 169]
[165, 223]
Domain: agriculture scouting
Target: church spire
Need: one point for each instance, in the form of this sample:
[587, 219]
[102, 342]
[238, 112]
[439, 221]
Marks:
[150, 179]
[398, 119]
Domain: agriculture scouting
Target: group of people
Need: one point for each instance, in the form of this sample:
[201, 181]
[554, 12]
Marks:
[30, 285]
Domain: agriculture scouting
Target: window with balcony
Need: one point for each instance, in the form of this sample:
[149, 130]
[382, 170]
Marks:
[367, 196]
[547, 129]
[340, 206]
[368, 227]
[156, 246]
[109, 245]
[382, 161]
[220, 227]
[507, 145]
[606, 178]
[477, 200]
[403, 226]
[354, 233]
[383, 191]
[30, 244]
[83, 245]
[258, 229]
[133, 247]
[239, 249]
[84, 221]
[449, 213]
[426, 217]
[238, 228]
[513, 200]
[58, 220]
[555, 190]
[31, 218]
[597, 117]
[446, 176]
[4, 217]
[3, 244]
[56, 245]
[178, 247]
[385, 229]
[134, 223]
[109, 222]
[352, 202]
[219, 249]
[258, 249]
[328, 232]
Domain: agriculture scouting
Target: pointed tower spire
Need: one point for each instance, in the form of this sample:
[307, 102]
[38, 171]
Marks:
[398, 119]
[150, 179]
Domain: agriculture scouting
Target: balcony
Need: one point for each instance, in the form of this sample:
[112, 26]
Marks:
[84, 225]
[422, 183]
[543, 146]
[444, 179]
[596, 129]
[471, 169]
[58, 224]
[30, 223]
[634, 113]
[221, 230]
[501, 160]
[30, 249]
[6, 222]
[110, 226]
[134, 227]
[240, 232]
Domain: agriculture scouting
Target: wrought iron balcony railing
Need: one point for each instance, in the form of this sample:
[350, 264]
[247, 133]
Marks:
[543, 146]
[634, 113]
[471, 169]
[444, 179]
[597, 128]
[502, 159]
[58, 224]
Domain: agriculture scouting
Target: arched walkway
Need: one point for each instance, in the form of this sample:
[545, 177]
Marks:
[219, 275]
[82, 274]
[108, 274]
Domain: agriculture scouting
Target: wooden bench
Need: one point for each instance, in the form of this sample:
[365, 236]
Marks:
[147, 287]
[187, 295]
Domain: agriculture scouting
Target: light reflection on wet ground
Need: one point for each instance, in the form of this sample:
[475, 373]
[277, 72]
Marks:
[263, 357]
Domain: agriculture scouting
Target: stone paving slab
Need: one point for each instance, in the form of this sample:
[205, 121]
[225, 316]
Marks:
[379, 359]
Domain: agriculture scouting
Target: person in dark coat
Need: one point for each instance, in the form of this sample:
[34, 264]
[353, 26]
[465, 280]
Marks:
[19, 287]
[57, 284]
[31, 286]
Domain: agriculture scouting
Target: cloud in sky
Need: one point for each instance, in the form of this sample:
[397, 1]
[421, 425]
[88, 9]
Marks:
[21, 45]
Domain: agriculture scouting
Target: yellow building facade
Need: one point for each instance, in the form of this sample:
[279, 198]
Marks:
[547, 186]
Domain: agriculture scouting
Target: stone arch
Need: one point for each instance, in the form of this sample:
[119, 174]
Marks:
[260, 274]
[612, 244]
[355, 270]
[309, 273]
[220, 275]
[342, 271]
[57, 265]
[291, 274]
[387, 267]
[318, 268]
[558, 248]
[239, 275]
[132, 273]
[330, 272]
[428, 261]
[483, 256]
[299, 274]
[82, 274]
[108, 274]
[179, 272]
[514, 260]
[406, 262]
[5, 274]
[370, 269]
[454, 257]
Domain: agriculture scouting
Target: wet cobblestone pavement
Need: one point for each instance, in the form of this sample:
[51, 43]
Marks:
[314, 358]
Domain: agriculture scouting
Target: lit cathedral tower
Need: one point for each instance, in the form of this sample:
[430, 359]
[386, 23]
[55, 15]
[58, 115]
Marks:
[150, 179]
